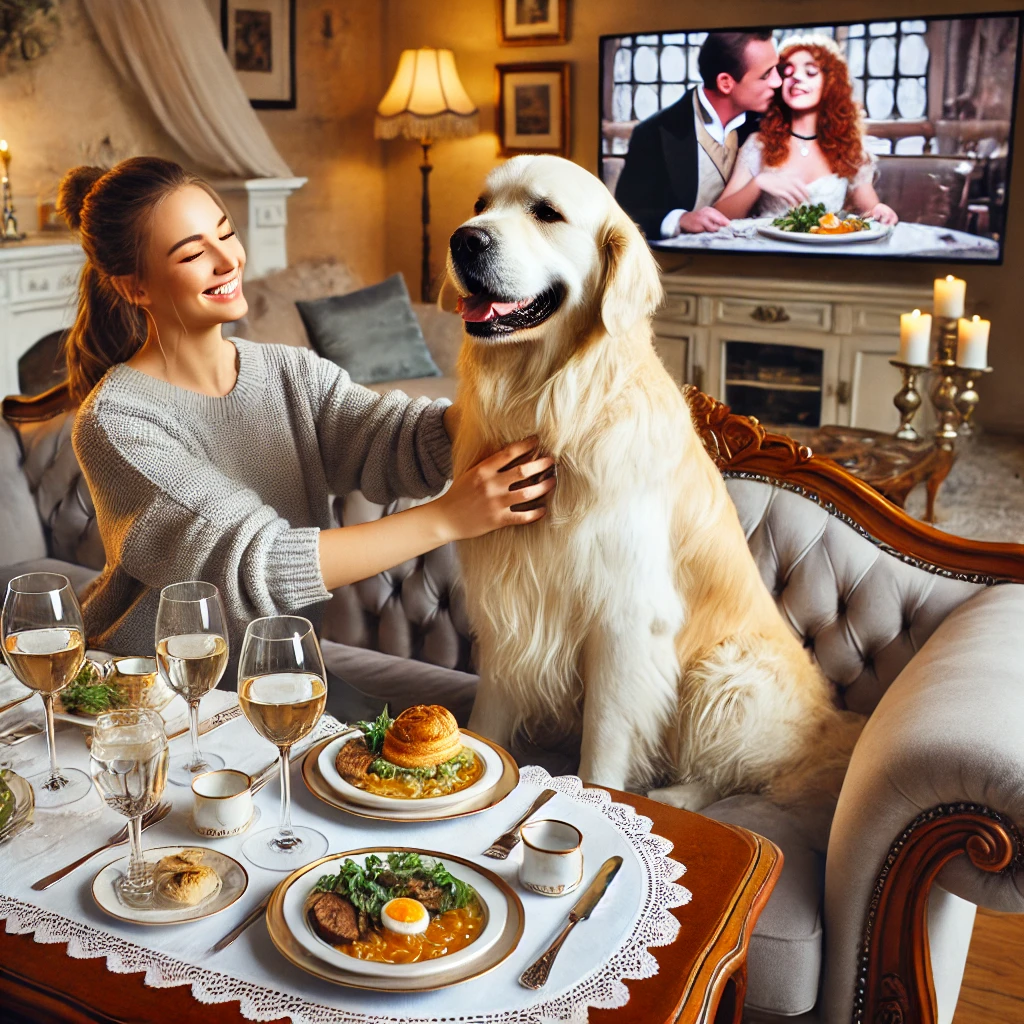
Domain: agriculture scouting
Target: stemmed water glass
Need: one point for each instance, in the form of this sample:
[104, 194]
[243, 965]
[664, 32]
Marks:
[192, 653]
[282, 690]
[43, 639]
[128, 760]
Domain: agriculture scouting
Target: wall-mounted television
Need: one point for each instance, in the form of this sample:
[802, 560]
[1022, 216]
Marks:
[875, 139]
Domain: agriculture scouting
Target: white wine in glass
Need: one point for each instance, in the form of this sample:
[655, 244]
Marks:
[192, 654]
[43, 640]
[128, 760]
[282, 691]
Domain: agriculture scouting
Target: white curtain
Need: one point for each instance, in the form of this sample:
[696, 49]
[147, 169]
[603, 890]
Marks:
[171, 50]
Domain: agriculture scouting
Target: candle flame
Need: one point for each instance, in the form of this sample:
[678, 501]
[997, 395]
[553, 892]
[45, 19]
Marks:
[916, 312]
[950, 278]
[975, 318]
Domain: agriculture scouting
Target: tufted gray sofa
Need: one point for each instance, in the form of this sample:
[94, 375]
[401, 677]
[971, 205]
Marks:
[931, 650]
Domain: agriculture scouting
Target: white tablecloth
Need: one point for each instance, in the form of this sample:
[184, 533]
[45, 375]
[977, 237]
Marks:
[611, 946]
[906, 240]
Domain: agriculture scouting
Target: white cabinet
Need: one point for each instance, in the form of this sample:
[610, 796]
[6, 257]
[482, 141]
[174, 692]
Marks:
[38, 295]
[793, 353]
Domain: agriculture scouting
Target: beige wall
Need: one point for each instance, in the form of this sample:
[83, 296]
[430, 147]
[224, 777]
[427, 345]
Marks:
[469, 28]
[70, 107]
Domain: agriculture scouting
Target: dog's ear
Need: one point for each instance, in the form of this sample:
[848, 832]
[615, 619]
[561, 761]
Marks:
[632, 280]
[448, 296]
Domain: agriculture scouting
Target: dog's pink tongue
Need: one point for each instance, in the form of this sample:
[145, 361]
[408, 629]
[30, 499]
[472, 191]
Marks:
[477, 308]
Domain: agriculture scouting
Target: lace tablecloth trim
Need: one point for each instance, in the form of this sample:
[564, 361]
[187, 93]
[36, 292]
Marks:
[602, 989]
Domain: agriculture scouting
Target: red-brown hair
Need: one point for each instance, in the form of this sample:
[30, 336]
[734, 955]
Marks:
[840, 125]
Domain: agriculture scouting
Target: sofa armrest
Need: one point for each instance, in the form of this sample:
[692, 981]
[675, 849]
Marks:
[934, 791]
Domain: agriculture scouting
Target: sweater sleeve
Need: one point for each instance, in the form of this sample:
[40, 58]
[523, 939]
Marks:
[169, 515]
[387, 446]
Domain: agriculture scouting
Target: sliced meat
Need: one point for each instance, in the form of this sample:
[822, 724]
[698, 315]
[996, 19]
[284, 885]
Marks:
[429, 895]
[353, 760]
[334, 918]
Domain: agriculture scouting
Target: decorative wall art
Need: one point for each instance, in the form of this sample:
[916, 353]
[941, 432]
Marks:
[259, 37]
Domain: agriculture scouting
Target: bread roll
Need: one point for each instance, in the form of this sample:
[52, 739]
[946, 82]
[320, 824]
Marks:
[422, 736]
[191, 886]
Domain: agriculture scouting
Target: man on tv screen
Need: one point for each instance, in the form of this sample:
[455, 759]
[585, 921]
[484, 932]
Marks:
[680, 158]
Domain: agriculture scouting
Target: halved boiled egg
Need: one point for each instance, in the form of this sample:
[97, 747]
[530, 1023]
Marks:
[404, 916]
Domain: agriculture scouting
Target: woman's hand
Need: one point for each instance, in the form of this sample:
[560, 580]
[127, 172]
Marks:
[507, 489]
[883, 214]
[784, 184]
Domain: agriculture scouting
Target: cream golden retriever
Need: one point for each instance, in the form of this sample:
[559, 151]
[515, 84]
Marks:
[632, 618]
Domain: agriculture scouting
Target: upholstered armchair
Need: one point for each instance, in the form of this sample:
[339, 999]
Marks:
[921, 631]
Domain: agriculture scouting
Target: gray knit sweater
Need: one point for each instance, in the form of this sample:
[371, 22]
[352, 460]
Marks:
[235, 490]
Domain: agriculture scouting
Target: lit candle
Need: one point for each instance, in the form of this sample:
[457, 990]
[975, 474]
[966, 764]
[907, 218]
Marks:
[949, 296]
[972, 343]
[915, 337]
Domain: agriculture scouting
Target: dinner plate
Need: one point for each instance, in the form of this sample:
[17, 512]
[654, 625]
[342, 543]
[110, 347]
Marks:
[233, 877]
[873, 234]
[493, 768]
[491, 896]
[446, 971]
[316, 784]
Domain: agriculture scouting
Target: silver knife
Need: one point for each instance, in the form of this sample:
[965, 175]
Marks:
[251, 918]
[536, 975]
[211, 723]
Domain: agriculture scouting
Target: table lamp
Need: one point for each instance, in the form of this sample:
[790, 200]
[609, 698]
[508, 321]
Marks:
[426, 102]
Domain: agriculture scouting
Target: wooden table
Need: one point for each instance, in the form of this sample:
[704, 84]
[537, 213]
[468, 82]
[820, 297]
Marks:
[702, 977]
[889, 464]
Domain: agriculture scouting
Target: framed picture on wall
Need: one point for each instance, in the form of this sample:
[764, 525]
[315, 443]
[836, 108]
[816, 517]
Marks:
[532, 22]
[533, 108]
[259, 37]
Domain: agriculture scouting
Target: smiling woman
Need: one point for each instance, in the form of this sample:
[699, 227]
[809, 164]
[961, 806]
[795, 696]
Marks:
[215, 459]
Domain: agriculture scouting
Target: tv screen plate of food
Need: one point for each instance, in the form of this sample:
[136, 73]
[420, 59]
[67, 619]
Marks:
[868, 139]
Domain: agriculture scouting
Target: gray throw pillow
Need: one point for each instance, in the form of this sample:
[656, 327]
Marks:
[373, 333]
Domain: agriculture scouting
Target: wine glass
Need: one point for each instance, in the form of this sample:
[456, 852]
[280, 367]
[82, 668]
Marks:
[44, 645]
[128, 760]
[192, 652]
[282, 690]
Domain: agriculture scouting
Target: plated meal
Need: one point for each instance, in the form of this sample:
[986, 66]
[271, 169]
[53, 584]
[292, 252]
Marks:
[395, 919]
[397, 910]
[418, 755]
[812, 222]
[417, 767]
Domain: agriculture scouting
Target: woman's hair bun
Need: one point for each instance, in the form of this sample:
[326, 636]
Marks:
[74, 187]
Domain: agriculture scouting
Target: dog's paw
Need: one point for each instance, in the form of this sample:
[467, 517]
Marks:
[688, 796]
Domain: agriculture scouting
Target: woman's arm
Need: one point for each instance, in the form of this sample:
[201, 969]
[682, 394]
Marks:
[864, 199]
[744, 189]
[482, 499]
[386, 445]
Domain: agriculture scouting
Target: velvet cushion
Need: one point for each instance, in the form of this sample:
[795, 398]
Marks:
[21, 532]
[372, 333]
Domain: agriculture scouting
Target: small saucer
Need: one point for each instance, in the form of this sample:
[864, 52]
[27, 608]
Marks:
[223, 833]
[233, 878]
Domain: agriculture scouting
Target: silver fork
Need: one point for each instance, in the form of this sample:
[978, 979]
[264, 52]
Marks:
[506, 843]
[151, 817]
[19, 733]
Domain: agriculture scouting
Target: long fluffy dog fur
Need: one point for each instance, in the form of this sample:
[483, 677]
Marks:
[632, 617]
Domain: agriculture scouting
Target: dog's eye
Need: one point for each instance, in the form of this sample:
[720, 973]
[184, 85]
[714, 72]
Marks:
[480, 205]
[546, 213]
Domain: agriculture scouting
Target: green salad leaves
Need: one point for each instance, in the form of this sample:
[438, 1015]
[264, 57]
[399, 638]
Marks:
[90, 695]
[370, 886]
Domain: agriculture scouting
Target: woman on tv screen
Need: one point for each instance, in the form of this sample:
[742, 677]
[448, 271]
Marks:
[809, 148]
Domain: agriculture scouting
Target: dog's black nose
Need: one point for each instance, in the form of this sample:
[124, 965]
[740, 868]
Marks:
[470, 241]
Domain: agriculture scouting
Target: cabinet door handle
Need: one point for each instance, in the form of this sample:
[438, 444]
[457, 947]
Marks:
[769, 314]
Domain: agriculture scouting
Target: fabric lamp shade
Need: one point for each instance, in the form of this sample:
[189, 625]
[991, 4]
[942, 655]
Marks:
[426, 100]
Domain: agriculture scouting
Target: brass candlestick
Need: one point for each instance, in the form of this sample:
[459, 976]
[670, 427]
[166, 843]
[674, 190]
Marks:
[944, 390]
[967, 398]
[908, 399]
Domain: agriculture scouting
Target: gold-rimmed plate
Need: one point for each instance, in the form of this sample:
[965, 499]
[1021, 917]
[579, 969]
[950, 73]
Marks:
[234, 880]
[295, 951]
[319, 787]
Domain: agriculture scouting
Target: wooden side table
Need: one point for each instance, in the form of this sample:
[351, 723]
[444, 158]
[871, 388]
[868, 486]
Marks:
[702, 977]
[891, 466]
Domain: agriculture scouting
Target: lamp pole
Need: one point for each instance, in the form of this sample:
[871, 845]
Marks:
[425, 169]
